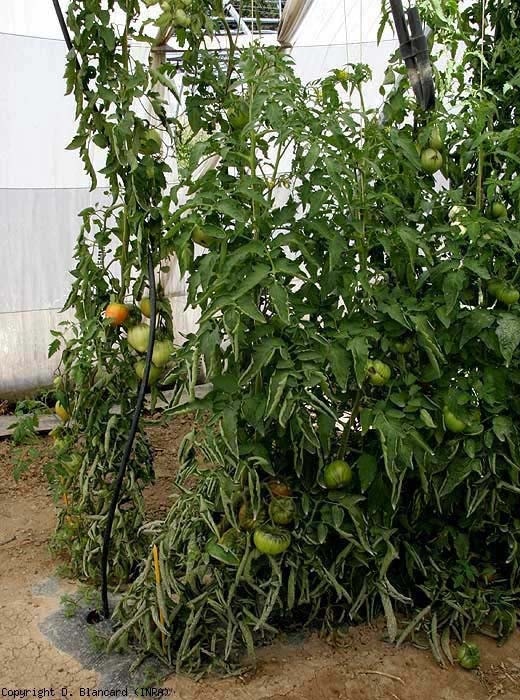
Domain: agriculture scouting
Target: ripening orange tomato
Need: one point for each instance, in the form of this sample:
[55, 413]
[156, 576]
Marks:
[117, 313]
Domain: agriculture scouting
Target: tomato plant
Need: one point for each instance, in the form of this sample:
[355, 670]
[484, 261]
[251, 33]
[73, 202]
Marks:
[297, 298]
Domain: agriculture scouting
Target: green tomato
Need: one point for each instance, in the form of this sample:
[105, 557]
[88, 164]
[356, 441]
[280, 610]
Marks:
[138, 337]
[282, 511]
[198, 236]
[435, 140]
[145, 307]
[468, 655]
[452, 423]
[271, 540]
[378, 373]
[162, 351]
[508, 294]
[503, 291]
[155, 372]
[431, 160]
[337, 474]
[58, 382]
[404, 346]
[181, 19]
[498, 210]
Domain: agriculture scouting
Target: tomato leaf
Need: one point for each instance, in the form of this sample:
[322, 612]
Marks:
[451, 286]
[276, 389]
[457, 472]
[508, 334]
[280, 300]
[475, 321]
[358, 346]
[367, 470]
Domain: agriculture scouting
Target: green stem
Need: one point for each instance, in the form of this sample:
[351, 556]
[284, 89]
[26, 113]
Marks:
[231, 55]
[362, 185]
[125, 237]
[346, 433]
[480, 171]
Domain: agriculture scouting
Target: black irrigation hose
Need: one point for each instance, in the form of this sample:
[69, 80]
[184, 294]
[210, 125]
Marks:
[129, 441]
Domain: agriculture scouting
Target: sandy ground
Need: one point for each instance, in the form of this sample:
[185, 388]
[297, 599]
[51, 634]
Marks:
[364, 668]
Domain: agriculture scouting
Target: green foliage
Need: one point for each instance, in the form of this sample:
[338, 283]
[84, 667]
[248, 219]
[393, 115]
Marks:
[327, 250]
[24, 429]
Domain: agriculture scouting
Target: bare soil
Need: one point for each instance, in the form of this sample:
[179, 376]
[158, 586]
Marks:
[363, 668]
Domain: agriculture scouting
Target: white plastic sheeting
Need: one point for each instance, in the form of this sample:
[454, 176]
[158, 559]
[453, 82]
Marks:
[43, 186]
[337, 32]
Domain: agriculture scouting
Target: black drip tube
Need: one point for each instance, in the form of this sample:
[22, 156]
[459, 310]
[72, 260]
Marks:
[130, 441]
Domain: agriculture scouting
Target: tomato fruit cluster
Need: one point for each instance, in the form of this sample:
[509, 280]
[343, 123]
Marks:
[176, 12]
